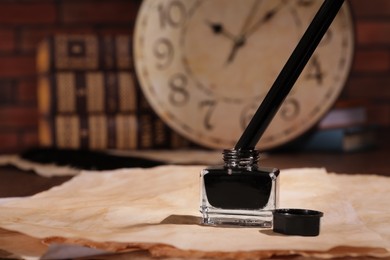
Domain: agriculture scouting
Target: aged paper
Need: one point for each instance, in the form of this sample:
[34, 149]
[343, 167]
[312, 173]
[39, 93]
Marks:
[157, 210]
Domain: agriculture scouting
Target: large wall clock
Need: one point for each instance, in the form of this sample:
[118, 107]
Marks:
[205, 66]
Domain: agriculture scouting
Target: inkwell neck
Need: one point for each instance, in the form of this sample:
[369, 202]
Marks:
[241, 159]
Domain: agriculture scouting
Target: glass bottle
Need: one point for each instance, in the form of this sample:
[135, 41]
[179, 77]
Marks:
[239, 192]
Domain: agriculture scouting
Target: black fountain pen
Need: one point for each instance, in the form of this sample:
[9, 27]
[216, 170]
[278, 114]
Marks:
[240, 192]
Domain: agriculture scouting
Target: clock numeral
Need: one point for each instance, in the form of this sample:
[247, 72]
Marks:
[163, 51]
[209, 105]
[179, 95]
[314, 70]
[172, 14]
[290, 109]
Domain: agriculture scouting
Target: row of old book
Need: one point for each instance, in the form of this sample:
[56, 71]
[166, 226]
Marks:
[89, 98]
[345, 128]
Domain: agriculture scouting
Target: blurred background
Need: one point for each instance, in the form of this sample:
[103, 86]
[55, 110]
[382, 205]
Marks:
[25, 23]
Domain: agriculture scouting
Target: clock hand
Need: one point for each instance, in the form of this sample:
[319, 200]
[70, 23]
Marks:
[238, 43]
[240, 40]
[218, 28]
[249, 18]
[267, 17]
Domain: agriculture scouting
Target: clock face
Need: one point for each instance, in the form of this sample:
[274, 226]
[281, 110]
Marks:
[205, 66]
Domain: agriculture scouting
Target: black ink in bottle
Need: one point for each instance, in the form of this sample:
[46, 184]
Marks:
[239, 192]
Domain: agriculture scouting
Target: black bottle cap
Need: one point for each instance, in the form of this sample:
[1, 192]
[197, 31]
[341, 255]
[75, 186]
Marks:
[302, 222]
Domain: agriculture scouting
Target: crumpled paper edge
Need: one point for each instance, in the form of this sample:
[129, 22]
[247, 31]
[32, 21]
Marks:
[198, 157]
[164, 250]
[44, 170]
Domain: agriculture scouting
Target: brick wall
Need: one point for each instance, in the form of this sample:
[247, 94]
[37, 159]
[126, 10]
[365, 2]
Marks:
[23, 23]
[370, 77]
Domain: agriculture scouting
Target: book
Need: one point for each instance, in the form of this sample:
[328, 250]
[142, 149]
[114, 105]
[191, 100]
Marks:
[89, 98]
[86, 92]
[350, 139]
[343, 117]
[101, 132]
[72, 52]
[345, 114]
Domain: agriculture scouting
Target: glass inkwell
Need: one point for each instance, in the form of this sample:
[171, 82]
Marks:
[240, 193]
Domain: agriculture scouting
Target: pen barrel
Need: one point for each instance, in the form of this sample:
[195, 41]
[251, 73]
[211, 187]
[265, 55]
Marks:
[289, 74]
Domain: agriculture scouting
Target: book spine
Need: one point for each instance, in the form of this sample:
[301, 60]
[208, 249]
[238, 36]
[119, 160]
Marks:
[99, 132]
[345, 114]
[349, 139]
[84, 52]
[343, 117]
[88, 92]
[89, 97]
